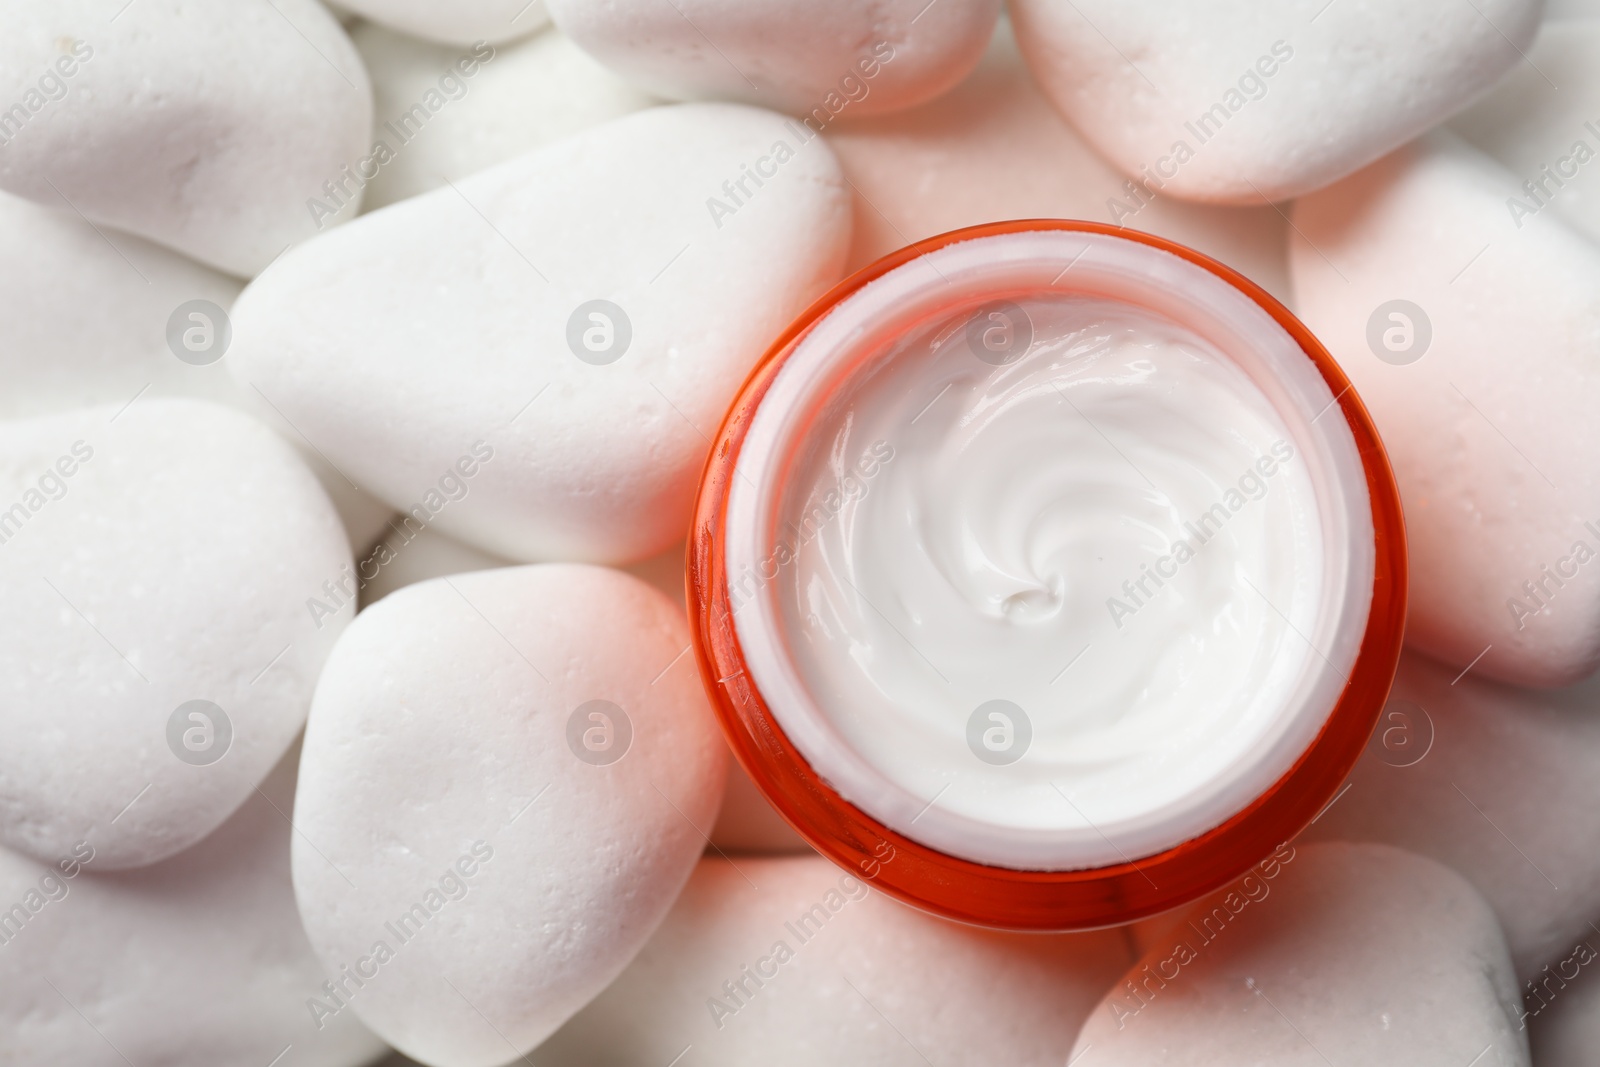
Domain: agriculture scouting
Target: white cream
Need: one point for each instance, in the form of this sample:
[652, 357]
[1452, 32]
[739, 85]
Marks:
[1060, 605]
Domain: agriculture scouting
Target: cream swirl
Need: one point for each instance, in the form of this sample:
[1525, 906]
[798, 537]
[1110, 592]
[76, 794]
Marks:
[1071, 593]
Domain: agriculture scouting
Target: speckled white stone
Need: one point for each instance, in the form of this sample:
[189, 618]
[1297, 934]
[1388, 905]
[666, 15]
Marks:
[823, 59]
[517, 96]
[993, 148]
[1268, 99]
[859, 978]
[1545, 113]
[198, 961]
[438, 782]
[150, 558]
[1503, 791]
[1491, 428]
[1351, 954]
[457, 22]
[404, 340]
[205, 127]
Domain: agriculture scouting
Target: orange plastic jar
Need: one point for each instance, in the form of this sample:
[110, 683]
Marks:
[1014, 896]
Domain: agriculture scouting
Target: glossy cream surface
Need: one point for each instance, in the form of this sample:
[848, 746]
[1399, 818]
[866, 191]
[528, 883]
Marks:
[1049, 565]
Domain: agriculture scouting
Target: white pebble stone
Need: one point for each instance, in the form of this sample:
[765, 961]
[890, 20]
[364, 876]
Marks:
[94, 317]
[1497, 782]
[1473, 344]
[517, 97]
[84, 320]
[479, 841]
[745, 823]
[1267, 100]
[153, 557]
[1542, 122]
[994, 148]
[451, 326]
[204, 128]
[833, 971]
[1350, 954]
[456, 22]
[818, 57]
[198, 961]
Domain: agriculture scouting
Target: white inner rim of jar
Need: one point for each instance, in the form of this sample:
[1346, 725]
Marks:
[965, 275]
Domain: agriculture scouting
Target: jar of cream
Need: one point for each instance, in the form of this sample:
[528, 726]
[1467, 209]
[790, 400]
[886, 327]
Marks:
[1047, 574]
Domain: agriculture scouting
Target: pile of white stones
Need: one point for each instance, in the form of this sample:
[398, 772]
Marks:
[478, 822]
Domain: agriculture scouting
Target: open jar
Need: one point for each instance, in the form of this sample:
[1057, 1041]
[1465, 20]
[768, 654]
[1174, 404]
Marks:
[1048, 575]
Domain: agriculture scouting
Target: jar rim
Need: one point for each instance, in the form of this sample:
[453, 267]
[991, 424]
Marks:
[1012, 897]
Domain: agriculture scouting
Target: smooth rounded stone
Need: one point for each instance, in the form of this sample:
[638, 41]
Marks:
[446, 112]
[197, 961]
[1496, 781]
[1414, 276]
[1333, 953]
[507, 778]
[159, 650]
[817, 59]
[455, 22]
[1548, 138]
[747, 823]
[790, 960]
[994, 148]
[84, 320]
[89, 317]
[1239, 101]
[534, 359]
[207, 128]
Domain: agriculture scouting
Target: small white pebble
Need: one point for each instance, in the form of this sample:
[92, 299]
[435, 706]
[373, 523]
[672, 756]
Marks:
[205, 128]
[1303, 962]
[197, 961]
[817, 59]
[508, 776]
[1239, 101]
[1473, 344]
[447, 111]
[159, 649]
[792, 961]
[536, 358]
